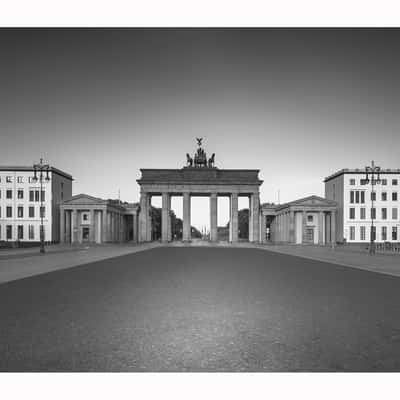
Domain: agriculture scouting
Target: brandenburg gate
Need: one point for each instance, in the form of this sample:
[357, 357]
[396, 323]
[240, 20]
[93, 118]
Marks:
[199, 178]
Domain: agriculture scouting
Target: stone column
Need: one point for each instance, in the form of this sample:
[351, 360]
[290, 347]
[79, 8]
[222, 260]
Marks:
[291, 227]
[256, 217]
[250, 218]
[164, 217]
[104, 227]
[234, 223]
[149, 220]
[263, 218]
[304, 227]
[68, 238]
[92, 227]
[143, 217]
[321, 228]
[333, 227]
[187, 234]
[74, 226]
[169, 220]
[62, 225]
[213, 217]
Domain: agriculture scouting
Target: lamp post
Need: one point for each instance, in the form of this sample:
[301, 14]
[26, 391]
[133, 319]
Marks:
[372, 171]
[41, 168]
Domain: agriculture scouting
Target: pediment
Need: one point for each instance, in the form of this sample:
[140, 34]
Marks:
[313, 201]
[84, 199]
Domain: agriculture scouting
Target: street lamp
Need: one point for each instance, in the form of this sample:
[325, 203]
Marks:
[40, 168]
[372, 171]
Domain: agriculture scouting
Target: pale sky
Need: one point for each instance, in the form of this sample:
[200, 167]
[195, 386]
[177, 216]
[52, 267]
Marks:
[296, 104]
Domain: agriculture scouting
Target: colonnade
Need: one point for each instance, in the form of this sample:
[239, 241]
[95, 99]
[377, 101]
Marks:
[285, 226]
[145, 216]
[104, 226]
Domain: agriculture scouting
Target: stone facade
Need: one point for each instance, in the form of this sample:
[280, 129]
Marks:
[310, 220]
[90, 219]
[191, 181]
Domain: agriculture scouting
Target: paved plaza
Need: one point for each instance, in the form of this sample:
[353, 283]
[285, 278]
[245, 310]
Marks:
[201, 309]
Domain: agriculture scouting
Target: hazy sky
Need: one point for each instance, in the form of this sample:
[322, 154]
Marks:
[296, 104]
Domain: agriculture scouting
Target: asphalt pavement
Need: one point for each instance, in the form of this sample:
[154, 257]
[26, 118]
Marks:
[201, 309]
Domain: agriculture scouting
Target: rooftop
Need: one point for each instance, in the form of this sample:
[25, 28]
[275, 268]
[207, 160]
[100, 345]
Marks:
[360, 171]
[30, 168]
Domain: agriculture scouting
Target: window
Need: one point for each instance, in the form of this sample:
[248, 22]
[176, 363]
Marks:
[373, 196]
[9, 194]
[394, 213]
[384, 196]
[62, 185]
[9, 232]
[383, 181]
[384, 213]
[9, 212]
[8, 179]
[37, 195]
[20, 232]
[43, 212]
[352, 213]
[362, 194]
[394, 232]
[363, 182]
[362, 213]
[394, 182]
[351, 196]
[352, 233]
[373, 233]
[31, 212]
[310, 218]
[43, 195]
[20, 194]
[85, 217]
[31, 195]
[19, 179]
[373, 213]
[394, 196]
[357, 196]
[31, 232]
[384, 233]
[62, 195]
[20, 212]
[352, 182]
[362, 232]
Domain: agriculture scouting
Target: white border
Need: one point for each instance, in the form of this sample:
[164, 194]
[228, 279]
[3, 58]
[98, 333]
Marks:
[206, 13]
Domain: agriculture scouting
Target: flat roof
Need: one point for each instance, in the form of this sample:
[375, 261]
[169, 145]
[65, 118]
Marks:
[25, 168]
[200, 176]
[360, 171]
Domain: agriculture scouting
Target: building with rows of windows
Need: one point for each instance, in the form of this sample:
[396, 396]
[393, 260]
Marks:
[354, 197]
[20, 199]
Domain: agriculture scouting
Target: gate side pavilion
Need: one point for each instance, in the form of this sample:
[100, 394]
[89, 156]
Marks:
[194, 181]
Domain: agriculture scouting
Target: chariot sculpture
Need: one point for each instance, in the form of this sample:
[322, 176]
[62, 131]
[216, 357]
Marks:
[200, 159]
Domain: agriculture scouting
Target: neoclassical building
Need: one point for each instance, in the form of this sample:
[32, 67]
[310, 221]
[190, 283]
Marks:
[84, 218]
[311, 220]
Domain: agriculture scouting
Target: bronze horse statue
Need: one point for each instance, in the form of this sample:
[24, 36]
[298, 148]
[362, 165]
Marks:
[211, 161]
[189, 160]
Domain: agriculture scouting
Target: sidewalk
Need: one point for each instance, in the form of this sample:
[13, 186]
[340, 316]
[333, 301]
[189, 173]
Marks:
[382, 263]
[22, 263]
